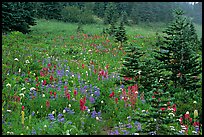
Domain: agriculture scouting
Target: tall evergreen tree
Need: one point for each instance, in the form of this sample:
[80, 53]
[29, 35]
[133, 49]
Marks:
[120, 35]
[111, 13]
[177, 55]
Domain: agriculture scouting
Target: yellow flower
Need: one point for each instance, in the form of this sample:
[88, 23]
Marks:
[195, 113]
[23, 114]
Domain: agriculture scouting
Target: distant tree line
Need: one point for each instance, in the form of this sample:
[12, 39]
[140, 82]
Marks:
[19, 15]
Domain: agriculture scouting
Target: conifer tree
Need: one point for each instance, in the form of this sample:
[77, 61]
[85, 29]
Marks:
[120, 35]
[177, 55]
[130, 70]
[18, 16]
[160, 118]
[111, 14]
[112, 30]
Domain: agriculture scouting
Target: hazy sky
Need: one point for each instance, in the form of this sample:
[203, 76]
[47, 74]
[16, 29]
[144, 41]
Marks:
[193, 3]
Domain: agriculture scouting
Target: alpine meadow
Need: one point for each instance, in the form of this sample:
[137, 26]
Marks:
[101, 68]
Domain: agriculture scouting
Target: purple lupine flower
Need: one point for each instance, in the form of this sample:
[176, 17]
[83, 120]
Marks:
[129, 126]
[125, 132]
[116, 132]
[51, 117]
[59, 115]
[33, 132]
[97, 92]
[61, 120]
[92, 100]
[93, 114]
[33, 113]
[79, 76]
[99, 113]
[139, 127]
[196, 128]
[122, 86]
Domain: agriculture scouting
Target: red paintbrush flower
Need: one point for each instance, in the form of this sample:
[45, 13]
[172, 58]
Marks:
[47, 104]
[162, 109]
[55, 94]
[83, 66]
[23, 108]
[111, 95]
[50, 93]
[186, 116]
[75, 92]
[51, 78]
[44, 82]
[68, 96]
[49, 65]
[116, 100]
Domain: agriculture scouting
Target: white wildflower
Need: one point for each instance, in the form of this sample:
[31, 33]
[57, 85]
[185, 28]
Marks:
[187, 112]
[21, 94]
[8, 85]
[194, 102]
[32, 88]
[41, 106]
[43, 95]
[27, 61]
[97, 118]
[88, 110]
[92, 95]
[143, 111]
[64, 111]
[19, 70]
[70, 105]
[23, 88]
[101, 101]
[16, 59]
[194, 132]
[171, 114]
[45, 126]
[67, 132]
[136, 134]
[53, 112]
[9, 111]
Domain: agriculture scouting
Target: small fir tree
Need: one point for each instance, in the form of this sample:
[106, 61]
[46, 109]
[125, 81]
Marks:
[130, 70]
[120, 35]
[160, 118]
[112, 29]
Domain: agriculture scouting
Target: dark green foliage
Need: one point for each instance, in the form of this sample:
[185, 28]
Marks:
[159, 117]
[73, 14]
[176, 52]
[50, 10]
[99, 9]
[200, 44]
[17, 16]
[149, 75]
[112, 30]
[111, 13]
[120, 35]
[131, 65]
[80, 28]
